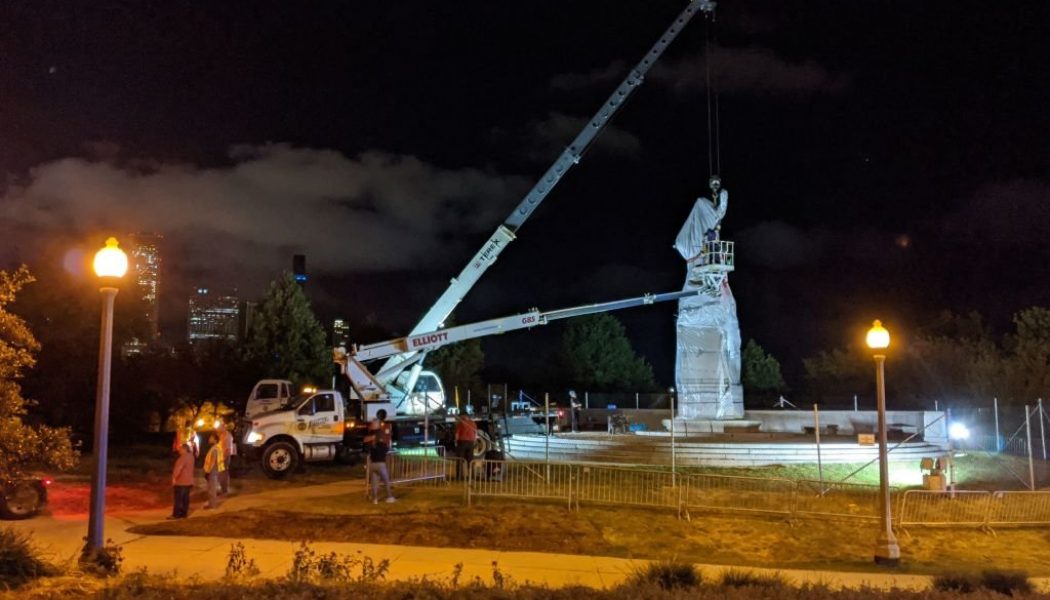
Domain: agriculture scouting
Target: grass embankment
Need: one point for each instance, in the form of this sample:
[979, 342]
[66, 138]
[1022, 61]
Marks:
[437, 518]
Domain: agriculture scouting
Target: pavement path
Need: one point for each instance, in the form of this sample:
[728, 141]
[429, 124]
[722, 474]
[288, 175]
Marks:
[205, 557]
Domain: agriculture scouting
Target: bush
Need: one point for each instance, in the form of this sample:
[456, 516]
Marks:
[238, 565]
[20, 560]
[308, 566]
[667, 574]
[962, 583]
[104, 562]
[1007, 583]
[738, 578]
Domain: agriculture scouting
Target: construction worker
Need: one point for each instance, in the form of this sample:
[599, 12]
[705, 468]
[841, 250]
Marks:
[226, 442]
[466, 437]
[214, 465]
[186, 435]
[378, 441]
[182, 482]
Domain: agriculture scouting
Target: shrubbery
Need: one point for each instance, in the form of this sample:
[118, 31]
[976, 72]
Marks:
[1007, 583]
[20, 560]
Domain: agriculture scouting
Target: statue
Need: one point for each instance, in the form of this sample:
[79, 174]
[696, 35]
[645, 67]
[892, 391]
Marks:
[707, 365]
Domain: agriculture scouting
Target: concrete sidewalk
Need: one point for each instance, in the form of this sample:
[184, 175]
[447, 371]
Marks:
[206, 557]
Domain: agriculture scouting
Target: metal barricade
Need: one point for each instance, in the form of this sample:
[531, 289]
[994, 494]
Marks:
[415, 466]
[512, 479]
[620, 485]
[923, 508]
[1019, 508]
[837, 499]
[737, 494]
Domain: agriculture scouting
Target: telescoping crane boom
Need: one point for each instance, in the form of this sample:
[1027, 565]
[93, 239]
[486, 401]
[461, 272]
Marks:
[368, 388]
[505, 233]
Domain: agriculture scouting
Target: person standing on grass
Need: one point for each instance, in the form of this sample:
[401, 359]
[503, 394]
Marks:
[378, 441]
[182, 482]
[226, 442]
[466, 437]
[214, 465]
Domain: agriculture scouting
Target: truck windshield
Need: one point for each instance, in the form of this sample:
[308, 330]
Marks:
[295, 400]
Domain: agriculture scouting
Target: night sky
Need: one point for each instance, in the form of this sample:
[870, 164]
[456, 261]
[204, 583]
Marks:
[884, 159]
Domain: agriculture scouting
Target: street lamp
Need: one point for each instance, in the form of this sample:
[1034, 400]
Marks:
[887, 552]
[110, 265]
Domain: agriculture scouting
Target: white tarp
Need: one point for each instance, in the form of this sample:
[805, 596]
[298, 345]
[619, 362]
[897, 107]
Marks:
[707, 363]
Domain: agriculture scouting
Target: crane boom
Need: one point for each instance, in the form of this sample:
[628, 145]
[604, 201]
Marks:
[505, 233]
[432, 340]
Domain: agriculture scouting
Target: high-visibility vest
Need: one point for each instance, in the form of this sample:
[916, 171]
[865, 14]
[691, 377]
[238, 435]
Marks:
[214, 461]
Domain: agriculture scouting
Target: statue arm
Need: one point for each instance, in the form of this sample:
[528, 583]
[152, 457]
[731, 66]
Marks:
[723, 204]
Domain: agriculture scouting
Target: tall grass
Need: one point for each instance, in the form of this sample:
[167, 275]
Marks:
[20, 560]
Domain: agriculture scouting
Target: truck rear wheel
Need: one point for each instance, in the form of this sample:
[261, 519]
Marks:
[22, 500]
[482, 445]
[279, 459]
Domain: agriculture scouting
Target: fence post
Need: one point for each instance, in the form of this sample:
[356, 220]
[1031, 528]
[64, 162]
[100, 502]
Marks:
[936, 406]
[636, 407]
[998, 436]
[951, 451]
[816, 432]
[586, 399]
[1028, 433]
[854, 403]
[674, 476]
[1042, 432]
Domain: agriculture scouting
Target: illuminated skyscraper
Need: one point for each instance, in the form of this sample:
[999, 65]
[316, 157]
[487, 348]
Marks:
[340, 333]
[213, 316]
[299, 269]
[145, 268]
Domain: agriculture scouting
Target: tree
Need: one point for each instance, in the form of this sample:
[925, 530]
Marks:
[1029, 362]
[23, 446]
[285, 339]
[458, 364]
[761, 371]
[596, 355]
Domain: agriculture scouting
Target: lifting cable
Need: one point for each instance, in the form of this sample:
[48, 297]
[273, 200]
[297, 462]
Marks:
[714, 151]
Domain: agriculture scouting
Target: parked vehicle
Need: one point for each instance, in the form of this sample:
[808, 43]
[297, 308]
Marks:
[23, 498]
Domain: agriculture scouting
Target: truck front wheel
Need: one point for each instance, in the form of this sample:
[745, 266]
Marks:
[279, 459]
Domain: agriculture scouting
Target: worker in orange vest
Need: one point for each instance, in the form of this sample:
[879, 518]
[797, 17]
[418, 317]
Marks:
[466, 438]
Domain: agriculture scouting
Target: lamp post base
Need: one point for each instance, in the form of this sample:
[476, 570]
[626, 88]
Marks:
[887, 552]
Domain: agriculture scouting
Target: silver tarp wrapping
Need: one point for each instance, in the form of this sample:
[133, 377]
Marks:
[707, 363]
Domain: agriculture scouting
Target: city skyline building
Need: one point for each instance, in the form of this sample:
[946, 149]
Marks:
[299, 269]
[213, 316]
[145, 265]
[340, 333]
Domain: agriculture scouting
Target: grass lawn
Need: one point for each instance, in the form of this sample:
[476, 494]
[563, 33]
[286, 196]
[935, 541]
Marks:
[436, 516]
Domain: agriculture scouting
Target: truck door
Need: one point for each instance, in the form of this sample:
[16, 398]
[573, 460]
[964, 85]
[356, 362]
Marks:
[320, 419]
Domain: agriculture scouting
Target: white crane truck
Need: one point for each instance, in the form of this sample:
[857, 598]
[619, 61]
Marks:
[323, 425]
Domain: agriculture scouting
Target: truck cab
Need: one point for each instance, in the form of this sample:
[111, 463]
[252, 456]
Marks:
[307, 427]
[267, 395]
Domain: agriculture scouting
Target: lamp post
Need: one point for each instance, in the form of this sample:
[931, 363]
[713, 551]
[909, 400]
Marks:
[887, 552]
[110, 265]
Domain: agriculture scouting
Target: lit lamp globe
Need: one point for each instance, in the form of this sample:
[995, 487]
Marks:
[878, 338]
[111, 260]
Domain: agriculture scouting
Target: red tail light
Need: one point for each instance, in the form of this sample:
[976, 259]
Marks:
[47, 481]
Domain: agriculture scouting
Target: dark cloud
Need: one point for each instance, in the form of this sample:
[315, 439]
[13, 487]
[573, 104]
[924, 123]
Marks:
[547, 138]
[778, 245]
[1014, 212]
[376, 211]
[613, 72]
[751, 69]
